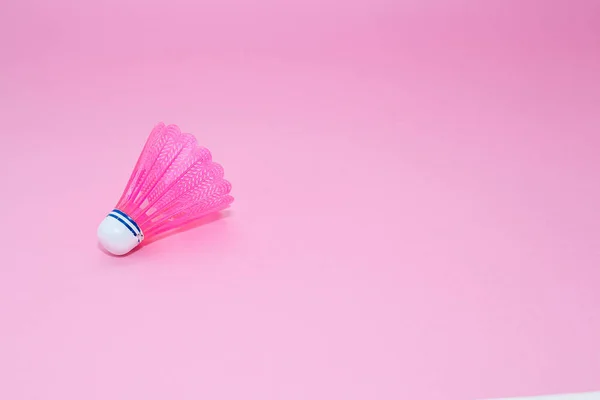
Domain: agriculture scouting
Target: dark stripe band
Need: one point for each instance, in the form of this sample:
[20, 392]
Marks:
[122, 214]
[124, 223]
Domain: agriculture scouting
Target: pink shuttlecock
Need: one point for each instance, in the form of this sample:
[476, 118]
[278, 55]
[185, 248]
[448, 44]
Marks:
[175, 182]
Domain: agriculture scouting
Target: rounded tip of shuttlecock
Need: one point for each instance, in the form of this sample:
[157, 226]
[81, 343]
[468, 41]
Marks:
[118, 234]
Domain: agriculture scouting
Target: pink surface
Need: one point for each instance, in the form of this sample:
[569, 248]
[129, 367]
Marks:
[416, 210]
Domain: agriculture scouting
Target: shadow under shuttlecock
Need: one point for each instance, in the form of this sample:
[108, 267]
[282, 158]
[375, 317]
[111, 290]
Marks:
[192, 225]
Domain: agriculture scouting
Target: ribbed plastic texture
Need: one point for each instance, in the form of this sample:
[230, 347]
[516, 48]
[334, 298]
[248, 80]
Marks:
[175, 182]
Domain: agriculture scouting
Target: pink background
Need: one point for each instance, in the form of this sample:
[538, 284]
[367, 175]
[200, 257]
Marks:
[417, 199]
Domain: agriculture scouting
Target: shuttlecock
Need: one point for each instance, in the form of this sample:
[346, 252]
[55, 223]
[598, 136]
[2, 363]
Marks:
[174, 183]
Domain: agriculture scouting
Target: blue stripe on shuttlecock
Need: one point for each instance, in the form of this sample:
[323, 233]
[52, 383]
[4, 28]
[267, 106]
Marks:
[122, 214]
[128, 222]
